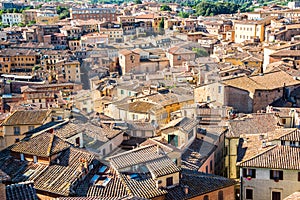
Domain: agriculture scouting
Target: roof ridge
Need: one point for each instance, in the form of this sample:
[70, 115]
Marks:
[128, 190]
[133, 150]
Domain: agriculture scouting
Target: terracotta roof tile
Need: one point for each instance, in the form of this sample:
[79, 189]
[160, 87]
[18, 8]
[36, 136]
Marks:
[27, 117]
[145, 188]
[198, 184]
[45, 145]
[267, 81]
[278, 157]
[20, 191]
[254, 123]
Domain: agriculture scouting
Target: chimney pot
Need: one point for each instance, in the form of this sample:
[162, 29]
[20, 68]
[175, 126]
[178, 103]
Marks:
[186, 190]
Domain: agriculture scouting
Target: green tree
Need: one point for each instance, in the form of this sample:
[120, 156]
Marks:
[62, 12]
[21, 24]
[165, 7]
[200, 52]
[162, 23]
[138, 1]
[183, 14]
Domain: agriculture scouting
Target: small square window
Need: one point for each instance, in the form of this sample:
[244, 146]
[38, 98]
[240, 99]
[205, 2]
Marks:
[249, 194]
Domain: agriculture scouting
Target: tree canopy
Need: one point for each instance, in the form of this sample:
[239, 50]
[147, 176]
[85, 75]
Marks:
[207, 8]
[165, 7]
[138, 1]
[183, 14]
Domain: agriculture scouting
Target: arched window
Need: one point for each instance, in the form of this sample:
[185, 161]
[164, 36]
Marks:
[206, 197]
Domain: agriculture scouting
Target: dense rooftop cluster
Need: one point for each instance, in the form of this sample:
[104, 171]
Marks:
[147, 100]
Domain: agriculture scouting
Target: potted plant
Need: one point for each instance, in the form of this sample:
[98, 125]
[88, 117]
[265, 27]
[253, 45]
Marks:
[249, 178]
[276, 179]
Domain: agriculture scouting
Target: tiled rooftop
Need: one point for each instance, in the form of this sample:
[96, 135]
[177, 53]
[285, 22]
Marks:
[45, 145]
[252, 124]
[145, 188]
[135, 156]
[185, 124]
[196, 154]
[27, 117]
[198, 184]
[56, 178]
[267, 81]
[21, 191]
[277, 157]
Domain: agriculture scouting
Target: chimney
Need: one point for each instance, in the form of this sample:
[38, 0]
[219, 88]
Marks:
[158, 151]
[186, 189]
[264, 144]
[2, 191]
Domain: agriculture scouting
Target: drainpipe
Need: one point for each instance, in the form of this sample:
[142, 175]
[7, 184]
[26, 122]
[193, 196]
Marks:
[241, 188]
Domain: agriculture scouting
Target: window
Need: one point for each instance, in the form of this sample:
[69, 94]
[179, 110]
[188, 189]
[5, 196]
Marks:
[35, 159]
[211, 166]
[77, 141]
[299, 176]
[17, 140]
[206, 197]
[30, 128]
[169, 181]
[122, 91]
[283, 121]
[178, 57]
[16, 130]
[103, 152]
[282, 142]
[220, 89]
[220, 195]
[110, 147]
[292, 143]
[249, 173]
[276, 175]
[249, 194]
[206, 169]
[276, 195]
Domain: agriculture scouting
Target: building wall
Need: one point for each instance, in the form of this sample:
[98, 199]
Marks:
[129, 62]
[102, 14]
[262, 99]
[141, 133]
[17, 63]
[47, 19]
[263, 186]
[231, 170]
[163, 179]
[238, 99]
[210, 92]
[12, 18]
[228, 194]
[178, 59]
[71, 71]
[110, 146]
[9, 136]
[206, 164]
[248, 31]
[73, 139]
